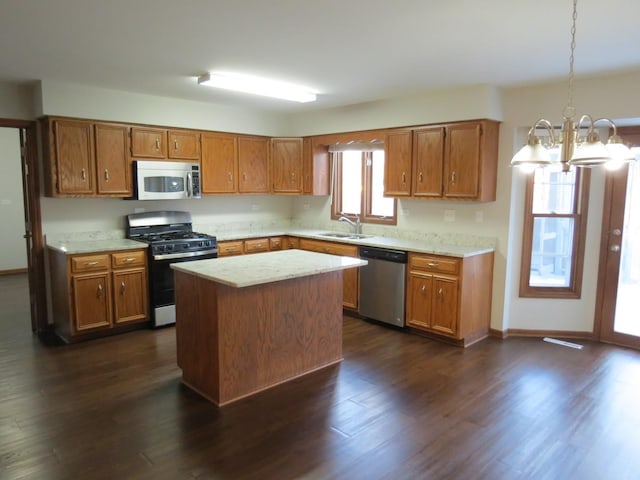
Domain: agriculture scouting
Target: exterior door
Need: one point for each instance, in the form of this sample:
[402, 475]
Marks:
[619, 278]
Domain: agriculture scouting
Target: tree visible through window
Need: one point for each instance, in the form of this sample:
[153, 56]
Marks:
[554, 233]
[358, 187]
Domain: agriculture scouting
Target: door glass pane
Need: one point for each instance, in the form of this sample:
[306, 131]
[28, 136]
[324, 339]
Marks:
[380, 205]
[351, 182]
[554, 191]
[551, 251]
[627, 319]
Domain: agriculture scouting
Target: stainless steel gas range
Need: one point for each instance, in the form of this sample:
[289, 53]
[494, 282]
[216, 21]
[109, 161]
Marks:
[171, 239]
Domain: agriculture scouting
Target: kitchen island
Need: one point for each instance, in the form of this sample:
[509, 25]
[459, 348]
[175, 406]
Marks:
[247, 323]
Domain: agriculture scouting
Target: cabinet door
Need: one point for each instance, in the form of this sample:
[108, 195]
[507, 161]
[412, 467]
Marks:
[315, 168]
[112, 159]
[286, 165]
[275, 243]
[130, 295]
[444, 312]
[397, 164]
[148, 142]
[428, 154]
[219, 163]
[253, 165]
[73, 143]
[462, 160]
[419, 292]
[91, 300]
[184, 145]
[256, 245]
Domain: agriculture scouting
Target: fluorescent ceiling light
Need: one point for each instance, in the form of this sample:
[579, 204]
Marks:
[257, 86]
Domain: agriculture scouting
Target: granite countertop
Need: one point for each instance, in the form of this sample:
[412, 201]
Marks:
[71, 247]
[417, 246]
[260, 268]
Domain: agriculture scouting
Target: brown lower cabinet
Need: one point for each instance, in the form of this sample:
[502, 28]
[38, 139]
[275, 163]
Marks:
[350, 277]
[450, 296]
[98, 293]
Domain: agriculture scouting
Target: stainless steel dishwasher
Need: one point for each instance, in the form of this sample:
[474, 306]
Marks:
[382, 284]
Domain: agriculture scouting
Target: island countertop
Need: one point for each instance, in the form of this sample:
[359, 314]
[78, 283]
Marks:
[260, 268]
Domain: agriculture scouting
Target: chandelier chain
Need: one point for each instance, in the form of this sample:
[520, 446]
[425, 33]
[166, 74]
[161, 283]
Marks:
[569, 110]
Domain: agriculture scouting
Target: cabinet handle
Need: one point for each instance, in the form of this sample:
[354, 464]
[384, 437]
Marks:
[90, 264]
[157, 144]
[423, 289]
[244, 177]
[106, 175]
[230, 175]
[175, 145]
[122, 287]
[440, 292]
[100, 290]
[83, 174]
[130, 259]
[231, 249]
[404, 178]
[258, 245]
[433, 264]
[420, 178]
[293, 177]
[453, 177]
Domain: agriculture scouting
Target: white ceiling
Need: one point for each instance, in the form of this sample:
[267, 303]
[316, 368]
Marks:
[351, 51]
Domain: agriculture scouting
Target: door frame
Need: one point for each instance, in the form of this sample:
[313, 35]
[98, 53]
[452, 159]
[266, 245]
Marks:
[609, 266]
[35, 241]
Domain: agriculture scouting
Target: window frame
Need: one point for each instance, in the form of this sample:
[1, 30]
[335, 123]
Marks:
[365, 193]
[579, 216]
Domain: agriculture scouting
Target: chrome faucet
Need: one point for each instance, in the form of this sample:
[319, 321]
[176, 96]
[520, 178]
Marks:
[357, 226]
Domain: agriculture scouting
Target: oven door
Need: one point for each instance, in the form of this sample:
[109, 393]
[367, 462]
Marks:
[161, 286]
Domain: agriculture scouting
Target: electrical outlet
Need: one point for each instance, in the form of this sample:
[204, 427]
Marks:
[479, 216]
[306, 206]
[449, 216]
[255, 207]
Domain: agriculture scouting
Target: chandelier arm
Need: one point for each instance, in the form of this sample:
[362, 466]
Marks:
[541, 122]
[612, 124]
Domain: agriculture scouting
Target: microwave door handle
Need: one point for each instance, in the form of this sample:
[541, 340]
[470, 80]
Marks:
[189, 185]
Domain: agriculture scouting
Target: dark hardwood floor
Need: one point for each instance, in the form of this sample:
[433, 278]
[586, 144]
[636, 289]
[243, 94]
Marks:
[399, 406]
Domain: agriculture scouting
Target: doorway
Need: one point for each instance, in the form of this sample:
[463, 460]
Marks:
[617, 318]
[32, 220]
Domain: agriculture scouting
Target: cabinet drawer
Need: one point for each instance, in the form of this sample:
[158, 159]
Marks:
[88, 263]
[275, 243]
[329, 247]
[226, 249]
[256, 245]
[434, 264]
[127, 259]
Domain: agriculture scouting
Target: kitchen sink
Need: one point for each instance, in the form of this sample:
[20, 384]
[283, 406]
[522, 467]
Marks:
[349, 236]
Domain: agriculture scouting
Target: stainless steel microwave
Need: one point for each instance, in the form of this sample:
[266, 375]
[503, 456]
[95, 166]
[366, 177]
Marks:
[165, 180]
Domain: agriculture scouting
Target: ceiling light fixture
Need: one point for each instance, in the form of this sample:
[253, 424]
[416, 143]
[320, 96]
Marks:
[575, 150]
[257, 86]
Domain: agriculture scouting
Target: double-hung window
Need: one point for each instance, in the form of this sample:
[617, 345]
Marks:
[358, 185]
[555, 223]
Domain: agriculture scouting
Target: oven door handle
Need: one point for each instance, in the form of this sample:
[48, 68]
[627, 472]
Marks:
[194, 255]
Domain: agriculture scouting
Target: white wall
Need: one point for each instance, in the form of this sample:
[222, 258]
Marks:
[18, 101]
[14, 249]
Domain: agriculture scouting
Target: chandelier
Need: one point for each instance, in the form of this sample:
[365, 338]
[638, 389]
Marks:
[580, 143]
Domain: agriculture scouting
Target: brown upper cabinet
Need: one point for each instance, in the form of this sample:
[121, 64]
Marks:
[148, 142]
[315, 167]
[184, 145]
[219, 163]
[454, 161]
[84, 158]
[253, 164]
[286, 165]
[160, 143]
